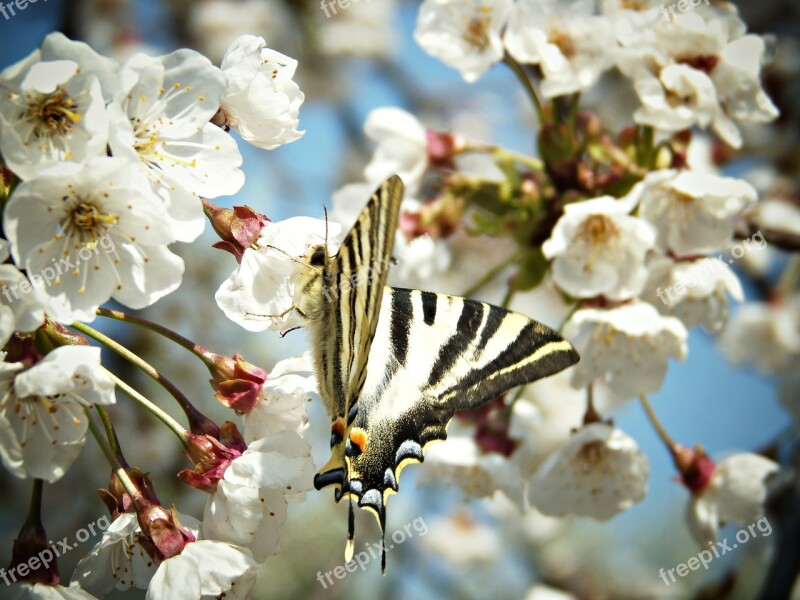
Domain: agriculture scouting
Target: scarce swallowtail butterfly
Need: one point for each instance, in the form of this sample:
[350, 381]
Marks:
[393, 364]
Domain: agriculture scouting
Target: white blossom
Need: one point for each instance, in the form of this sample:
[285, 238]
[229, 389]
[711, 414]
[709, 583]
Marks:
[282, 401]
[697, 68]
[766, 335]
[568, 42]
[693, 213]
[21, 301]
[402, 147]
[694, 291]
[598, 473]
[90, 233]
[463, 541]
[464, 34]
[627, 346]
[204, 568]
[735, 492]
[268, 280]
[368, 32]
[261, 101]
[248, 508]
[597, 248]
[160, 120]
[52, 107]
[42, 420]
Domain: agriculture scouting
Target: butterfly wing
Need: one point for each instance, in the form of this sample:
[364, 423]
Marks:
[434, 354]
[346, 316]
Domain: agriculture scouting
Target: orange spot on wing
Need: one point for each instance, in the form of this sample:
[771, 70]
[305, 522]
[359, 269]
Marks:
[359, 437]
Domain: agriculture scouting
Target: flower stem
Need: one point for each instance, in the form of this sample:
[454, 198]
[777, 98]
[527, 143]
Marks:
[194, 415]
[526, 83]
[572, 116]
[662, 433]
[192, 347]
[111, 435]
[157, 412]
[118, 469]
[491, 274]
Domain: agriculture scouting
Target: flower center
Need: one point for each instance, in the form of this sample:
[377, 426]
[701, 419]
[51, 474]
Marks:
[477, 31]
[592, 455]
[598, 230]
[563, 41]
[88, 223]
[52, 114]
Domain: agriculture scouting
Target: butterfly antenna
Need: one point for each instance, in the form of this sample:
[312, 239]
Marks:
[325, 210]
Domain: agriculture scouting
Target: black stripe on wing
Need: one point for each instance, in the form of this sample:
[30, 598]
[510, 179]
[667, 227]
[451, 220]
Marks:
[359, 272]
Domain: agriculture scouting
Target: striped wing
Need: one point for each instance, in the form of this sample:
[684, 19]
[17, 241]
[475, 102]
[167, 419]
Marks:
[432, 355]
[345, 318]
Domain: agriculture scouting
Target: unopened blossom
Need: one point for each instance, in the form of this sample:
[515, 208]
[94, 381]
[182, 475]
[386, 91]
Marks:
[627, 346]
[249, 505]
[261, 292]
[566, 39]
[694, 291]
[52, 107]
[160, 121]
[464, 34]
[402, 147]
[282, 401]
[261, 101]
[698, 68]
[92, 232]
[735, 491]
[693, 212]
[766, 335]
[598, 473]
[42, 419]
[597, 248]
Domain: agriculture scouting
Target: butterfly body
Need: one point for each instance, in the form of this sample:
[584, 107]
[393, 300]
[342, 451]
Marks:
[394, 365]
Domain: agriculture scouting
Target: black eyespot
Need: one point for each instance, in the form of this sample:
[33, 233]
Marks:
[318, 257]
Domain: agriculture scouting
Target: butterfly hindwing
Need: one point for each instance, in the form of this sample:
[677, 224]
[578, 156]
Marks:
[434, 354]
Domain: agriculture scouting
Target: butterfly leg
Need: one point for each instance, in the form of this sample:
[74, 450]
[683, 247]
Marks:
[279, 315]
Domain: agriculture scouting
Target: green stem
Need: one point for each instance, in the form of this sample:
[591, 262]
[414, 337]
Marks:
[111, 435]
[662, 433]
[508, 297]
[526, 83]
[572, 117]
[195, 349]
[192, 413]
[118, 469]
[575, 308]
[162, 416]
[494, 272]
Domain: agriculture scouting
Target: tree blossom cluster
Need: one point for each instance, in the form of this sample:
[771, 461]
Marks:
[121, 157]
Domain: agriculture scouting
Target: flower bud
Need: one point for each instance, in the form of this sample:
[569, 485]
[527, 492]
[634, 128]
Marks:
[238, 228]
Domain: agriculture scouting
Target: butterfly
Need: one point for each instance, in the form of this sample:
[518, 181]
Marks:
[394, 365]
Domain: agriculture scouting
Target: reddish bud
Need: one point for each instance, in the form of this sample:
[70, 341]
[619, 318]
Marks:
[211, 457]
[236, 382]
[492, 421]
[162, 534]
[695, 468]
[238, 228]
